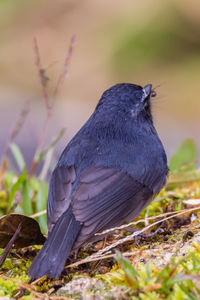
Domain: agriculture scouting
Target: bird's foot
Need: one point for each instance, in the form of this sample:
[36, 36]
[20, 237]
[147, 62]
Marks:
[141, 235]
[75, 254]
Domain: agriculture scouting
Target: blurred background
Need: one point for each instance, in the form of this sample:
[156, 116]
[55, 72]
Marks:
[139, 42]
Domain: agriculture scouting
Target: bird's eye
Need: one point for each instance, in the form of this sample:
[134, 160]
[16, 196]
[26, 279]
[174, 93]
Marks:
[153, 93]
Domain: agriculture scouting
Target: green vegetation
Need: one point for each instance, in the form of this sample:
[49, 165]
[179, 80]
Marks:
[24, 195]
[165, 266]
[185, 156]
[179, 279]
[154, 43]
[163, 41]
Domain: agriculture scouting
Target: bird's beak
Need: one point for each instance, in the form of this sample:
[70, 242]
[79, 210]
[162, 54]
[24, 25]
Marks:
[147, 90]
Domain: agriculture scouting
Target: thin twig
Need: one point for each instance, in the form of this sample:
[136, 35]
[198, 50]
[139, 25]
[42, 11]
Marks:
[41, 73]
[46, 165]
[48, 105]
[131, 236]
[2, 171]
[65, 72]
[16, 128]
[91, 259]
[100, 254]
[39, 154]
[9, 245]
[21, 120]
[40, 146]
[59, 298]
[25, 286]
[139, 221]
[43, 212]
[52, 144]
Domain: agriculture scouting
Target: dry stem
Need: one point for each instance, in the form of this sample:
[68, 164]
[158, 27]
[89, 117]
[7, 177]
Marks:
[99, 255]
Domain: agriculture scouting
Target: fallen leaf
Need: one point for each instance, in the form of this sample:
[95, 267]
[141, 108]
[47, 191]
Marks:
[29, 234]
[9, 245]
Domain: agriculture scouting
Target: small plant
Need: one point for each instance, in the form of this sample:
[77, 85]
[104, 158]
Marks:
[179, 279]
[23, 190]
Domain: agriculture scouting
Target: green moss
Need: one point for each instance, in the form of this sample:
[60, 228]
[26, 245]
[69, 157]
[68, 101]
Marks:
[176, 280]
[7, 288]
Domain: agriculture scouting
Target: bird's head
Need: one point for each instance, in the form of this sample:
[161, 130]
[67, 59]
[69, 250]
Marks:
[127, 99]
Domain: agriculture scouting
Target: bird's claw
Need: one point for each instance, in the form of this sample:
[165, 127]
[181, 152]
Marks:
[143, 234]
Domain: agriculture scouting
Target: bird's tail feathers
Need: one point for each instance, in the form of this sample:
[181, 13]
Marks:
[51, 258]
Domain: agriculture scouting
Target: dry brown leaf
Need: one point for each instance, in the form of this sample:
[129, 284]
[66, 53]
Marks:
[29, 234]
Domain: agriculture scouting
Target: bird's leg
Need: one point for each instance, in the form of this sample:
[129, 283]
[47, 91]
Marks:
[76, 254]
[142, 234]
[73, 256]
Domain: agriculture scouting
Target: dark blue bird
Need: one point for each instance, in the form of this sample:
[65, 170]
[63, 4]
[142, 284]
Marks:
[107, 174]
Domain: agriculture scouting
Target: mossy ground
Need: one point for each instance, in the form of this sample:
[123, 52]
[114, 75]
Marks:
[166, 266]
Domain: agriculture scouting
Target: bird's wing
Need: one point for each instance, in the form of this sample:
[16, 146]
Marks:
[106, 198]
[59, 193]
